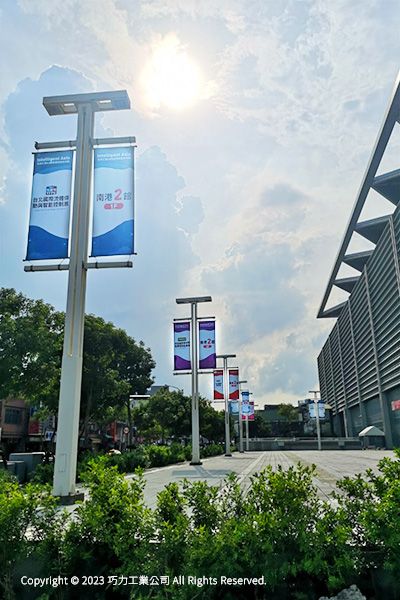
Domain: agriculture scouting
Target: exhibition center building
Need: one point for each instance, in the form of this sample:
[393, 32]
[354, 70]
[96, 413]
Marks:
[359, 365]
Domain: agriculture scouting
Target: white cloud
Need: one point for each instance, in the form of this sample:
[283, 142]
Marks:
[260, 177]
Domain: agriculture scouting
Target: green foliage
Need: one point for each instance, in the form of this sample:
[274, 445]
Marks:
[31, 340]
[168, 415]
[27, 517]
[30, 348]
[278, 529]
[212, 450]
[288, 412]
[42, 474]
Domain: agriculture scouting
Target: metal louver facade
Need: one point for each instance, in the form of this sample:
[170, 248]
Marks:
[359, 365]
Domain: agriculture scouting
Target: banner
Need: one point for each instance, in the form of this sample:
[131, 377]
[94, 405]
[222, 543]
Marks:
[182, 360]
[233, 384]
[245, 405]
[321, 409]
[234, 407]
[207, 355]
[218, 384]
[50, 205]
[113, 206]
[250, 416]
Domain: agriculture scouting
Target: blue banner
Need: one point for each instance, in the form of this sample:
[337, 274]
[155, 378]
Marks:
[245, 405]
[50, 205]
[312, 411]
[234, 407]
[113, 205]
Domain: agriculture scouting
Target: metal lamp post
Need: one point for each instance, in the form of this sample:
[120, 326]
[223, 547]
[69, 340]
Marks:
[240, 416]
[85, 106]
[316, 392]
[247, 428]
[226, 398]
[195, 376]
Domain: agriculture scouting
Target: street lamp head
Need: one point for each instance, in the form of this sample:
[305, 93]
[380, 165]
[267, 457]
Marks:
[242, 381]
[226, 355]
[194, 300]
[100, 101]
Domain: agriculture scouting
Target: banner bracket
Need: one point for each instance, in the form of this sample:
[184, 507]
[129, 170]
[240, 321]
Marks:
[92, 265]
[54, 145]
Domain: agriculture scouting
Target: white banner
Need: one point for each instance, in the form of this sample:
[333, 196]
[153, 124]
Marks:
[113, 205]
[182, 359]
[50, 205]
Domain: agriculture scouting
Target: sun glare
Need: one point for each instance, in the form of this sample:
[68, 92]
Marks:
[171, 78]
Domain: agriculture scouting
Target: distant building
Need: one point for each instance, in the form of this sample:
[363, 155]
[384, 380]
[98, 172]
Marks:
[14, 417]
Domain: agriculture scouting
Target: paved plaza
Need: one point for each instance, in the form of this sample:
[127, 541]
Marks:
[331, 466]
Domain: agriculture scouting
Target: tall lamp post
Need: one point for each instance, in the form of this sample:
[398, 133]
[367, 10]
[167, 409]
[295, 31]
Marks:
[240, 416]
[247, 427]
[195, 376]
[316, 404]
[226, 398]
[84, 106]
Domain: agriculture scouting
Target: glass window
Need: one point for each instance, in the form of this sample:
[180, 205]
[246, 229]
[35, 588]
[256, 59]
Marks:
[13, 416]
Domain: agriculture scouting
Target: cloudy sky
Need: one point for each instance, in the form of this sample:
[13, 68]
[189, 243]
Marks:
[254, 121]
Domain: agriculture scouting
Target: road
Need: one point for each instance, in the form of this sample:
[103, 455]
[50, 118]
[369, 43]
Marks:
[331, 466]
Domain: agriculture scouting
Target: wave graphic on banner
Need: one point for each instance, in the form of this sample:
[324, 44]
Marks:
[43, 244]
[50, 205]
[113, 202]
[117, 241]
[182, 364]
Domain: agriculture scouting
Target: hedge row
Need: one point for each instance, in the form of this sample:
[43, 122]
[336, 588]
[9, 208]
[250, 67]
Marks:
[127, 462]
[279, 530]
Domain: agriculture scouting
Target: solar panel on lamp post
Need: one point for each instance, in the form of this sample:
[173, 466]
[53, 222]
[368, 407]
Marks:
[193, 301]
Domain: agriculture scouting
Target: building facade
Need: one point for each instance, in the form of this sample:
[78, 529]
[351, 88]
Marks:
[359, 365]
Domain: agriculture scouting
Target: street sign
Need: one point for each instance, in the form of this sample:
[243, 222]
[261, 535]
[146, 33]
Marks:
[396, 405]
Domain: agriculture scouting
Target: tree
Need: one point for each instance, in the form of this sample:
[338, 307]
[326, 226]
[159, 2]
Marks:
[290, 414]
[31, 340]
[30, 349]
[114, 366]
[259, 427]
[168, 414]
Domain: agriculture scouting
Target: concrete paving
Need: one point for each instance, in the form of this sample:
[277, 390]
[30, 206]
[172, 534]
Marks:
[331, 466]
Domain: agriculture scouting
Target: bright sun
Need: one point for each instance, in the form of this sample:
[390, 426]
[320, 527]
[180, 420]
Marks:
[171, 78]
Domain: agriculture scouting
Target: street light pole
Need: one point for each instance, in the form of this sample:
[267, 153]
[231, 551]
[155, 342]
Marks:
[195, 391]
[226, 398]
[240, 416]
[195, 377]
[84, 105]
[247, 428]
[316, 404]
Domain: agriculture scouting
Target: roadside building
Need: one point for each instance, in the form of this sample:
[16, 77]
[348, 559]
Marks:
[14, 417]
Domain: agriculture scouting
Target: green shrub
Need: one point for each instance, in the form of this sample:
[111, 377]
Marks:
[43, 473]
[212, 450]
[279, 528]
[27, 517]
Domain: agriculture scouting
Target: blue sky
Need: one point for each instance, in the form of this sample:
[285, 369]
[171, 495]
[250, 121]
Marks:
[243, 193]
